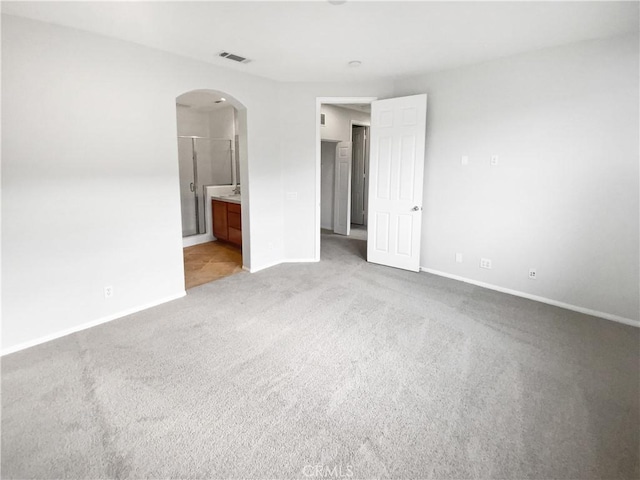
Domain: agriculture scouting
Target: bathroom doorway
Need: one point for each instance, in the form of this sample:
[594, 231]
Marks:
[209, 136]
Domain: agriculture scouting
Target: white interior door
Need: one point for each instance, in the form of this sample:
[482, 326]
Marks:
[396, 170]
[342, 191]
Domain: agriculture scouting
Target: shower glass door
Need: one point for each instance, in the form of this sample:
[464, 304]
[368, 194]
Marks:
[187, 187]
[203, 162]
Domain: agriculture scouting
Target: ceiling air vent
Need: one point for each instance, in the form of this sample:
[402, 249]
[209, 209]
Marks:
[234, 57]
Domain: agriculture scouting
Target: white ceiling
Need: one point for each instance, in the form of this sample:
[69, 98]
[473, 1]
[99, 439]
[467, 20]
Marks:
[314, 40]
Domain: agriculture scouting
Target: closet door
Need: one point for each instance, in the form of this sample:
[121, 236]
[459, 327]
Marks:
[342, 195]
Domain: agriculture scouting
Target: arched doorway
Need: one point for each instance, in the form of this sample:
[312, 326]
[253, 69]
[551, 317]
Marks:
[211, 131]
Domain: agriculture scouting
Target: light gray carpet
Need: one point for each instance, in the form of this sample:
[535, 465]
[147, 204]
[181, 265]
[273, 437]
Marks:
[357, 368]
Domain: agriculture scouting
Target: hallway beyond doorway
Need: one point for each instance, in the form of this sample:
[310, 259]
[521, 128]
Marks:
[354, 244]
[358, 232]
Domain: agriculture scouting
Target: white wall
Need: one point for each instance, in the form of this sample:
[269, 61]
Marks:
[90, 191]
[338, 120]
[192, 122]
[564, 198]
[222, 123]
[222, 126]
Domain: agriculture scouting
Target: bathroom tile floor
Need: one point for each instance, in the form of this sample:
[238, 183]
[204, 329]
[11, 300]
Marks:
[210, 261]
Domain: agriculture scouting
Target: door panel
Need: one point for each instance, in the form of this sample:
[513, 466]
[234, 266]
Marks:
[342, 205]
[384, 168]
[405, 230]
[220, 220]
[396, 178]
[407, 167]
[381, 227]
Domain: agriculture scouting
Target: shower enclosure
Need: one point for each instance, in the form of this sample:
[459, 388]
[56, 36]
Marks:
[203, 162]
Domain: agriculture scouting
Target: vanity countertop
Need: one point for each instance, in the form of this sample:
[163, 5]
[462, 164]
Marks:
[236, 198]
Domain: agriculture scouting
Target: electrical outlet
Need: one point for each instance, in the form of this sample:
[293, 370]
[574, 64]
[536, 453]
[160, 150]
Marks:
[292, 195]
[532, 274]
[485, 263]
[464, 160]
[494, 160]
[459, 257]
[108, 291]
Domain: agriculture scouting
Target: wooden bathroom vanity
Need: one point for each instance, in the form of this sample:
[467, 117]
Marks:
[227, 219]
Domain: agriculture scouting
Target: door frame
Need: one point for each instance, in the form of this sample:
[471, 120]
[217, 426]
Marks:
[319, 102]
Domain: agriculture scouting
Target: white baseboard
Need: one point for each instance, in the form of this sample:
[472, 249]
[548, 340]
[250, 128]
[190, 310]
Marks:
[555, 303]
[263, 267]
[279, 262]
[84, 326]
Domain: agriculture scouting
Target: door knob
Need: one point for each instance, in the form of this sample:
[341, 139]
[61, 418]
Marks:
[192, 187]
[416, 208]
